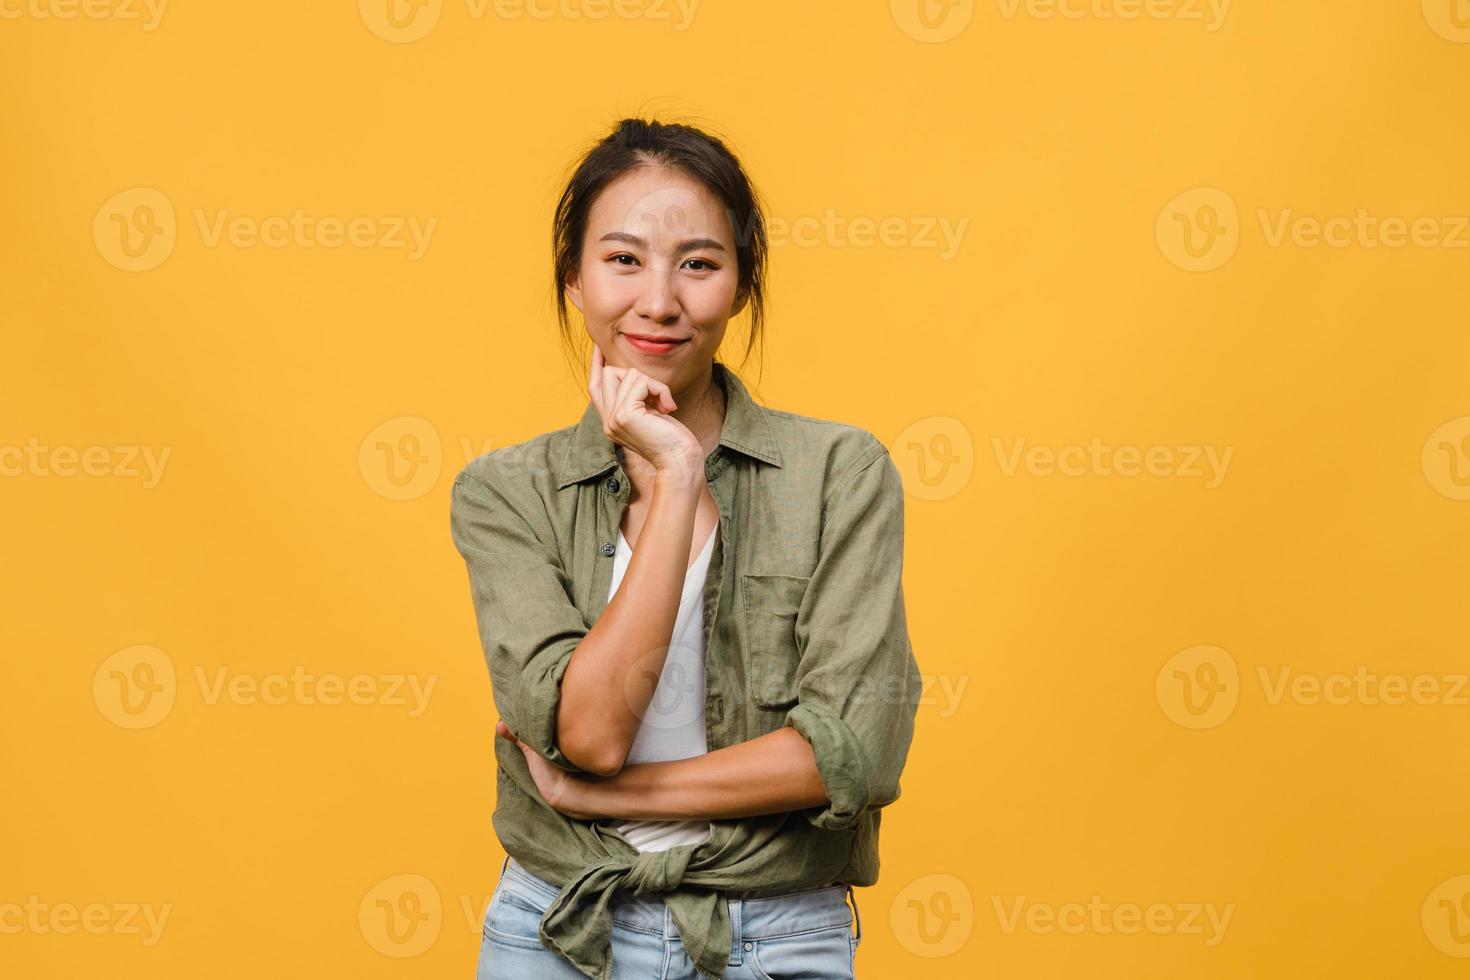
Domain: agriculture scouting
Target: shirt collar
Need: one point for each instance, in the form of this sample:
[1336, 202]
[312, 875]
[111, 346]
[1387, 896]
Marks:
[746, 430]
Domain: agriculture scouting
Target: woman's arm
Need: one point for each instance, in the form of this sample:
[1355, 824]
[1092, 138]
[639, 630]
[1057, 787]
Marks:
[604, 693]
[774, 773]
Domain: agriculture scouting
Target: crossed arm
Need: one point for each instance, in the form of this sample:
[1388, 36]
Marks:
[774, 773]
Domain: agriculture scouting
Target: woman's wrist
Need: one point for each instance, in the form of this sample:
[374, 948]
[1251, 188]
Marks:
[683, 472]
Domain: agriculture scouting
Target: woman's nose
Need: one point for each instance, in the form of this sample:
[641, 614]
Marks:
[657, 300]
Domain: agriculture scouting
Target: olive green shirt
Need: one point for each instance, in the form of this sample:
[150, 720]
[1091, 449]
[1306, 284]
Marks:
[803, 626]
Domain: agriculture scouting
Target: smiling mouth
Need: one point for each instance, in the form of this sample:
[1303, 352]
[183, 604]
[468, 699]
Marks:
[654, 345]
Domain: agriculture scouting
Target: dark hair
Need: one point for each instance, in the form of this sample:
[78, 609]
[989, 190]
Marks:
[635, 143]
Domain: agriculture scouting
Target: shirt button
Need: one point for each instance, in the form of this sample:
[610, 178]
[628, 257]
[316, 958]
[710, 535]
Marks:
[749, 947]
[612, 484]
[609, 549]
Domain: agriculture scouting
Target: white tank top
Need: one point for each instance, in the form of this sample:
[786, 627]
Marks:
[673, 726]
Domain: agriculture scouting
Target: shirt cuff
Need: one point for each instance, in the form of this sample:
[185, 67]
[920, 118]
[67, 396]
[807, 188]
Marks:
[840, 762]
[538, 696]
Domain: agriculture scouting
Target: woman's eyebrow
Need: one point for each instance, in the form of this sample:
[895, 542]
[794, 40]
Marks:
[688, 245]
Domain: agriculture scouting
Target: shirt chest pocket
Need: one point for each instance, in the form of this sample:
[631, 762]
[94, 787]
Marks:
[771, 603]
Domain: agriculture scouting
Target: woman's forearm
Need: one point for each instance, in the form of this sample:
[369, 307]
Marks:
[614, 671]
[774, 773]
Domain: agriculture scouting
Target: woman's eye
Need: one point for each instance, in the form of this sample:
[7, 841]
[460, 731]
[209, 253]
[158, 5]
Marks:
[702, 265]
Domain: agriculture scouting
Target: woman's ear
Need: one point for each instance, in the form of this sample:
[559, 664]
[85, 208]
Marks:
[741, 298]
[574, 290]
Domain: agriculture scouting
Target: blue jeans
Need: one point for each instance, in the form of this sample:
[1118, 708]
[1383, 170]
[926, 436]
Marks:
[804, 934]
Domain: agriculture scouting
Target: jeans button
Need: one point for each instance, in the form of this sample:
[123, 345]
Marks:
[749, 947]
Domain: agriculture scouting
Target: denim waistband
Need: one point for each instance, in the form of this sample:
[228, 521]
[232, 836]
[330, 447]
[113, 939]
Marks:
[796, 912]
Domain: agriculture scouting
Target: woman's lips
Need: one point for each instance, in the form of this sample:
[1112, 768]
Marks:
[650, 346]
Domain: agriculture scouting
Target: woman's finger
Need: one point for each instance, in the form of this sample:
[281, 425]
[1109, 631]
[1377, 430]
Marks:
[594, 381]
[656, 390]
[635, 390]
[612, 379]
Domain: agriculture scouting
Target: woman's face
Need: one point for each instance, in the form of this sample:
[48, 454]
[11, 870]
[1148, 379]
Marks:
[658, 262]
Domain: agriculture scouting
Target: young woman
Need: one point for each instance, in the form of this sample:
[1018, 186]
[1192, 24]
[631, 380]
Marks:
[692, 612]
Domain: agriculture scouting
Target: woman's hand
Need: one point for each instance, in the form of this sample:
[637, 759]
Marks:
[565, 791]
[622, 397]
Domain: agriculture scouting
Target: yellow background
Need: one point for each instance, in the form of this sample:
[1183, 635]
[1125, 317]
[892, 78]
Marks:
[1064, 764]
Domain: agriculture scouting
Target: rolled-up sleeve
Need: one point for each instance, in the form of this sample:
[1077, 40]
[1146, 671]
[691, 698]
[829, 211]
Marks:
[857, 680]
[528, 624]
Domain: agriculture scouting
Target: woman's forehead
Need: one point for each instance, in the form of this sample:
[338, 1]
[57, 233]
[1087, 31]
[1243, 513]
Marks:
[661, 207]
